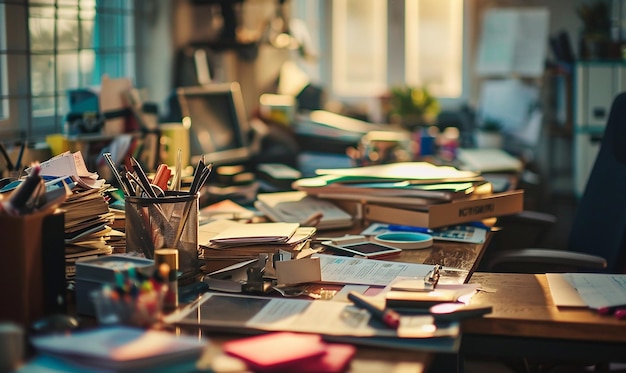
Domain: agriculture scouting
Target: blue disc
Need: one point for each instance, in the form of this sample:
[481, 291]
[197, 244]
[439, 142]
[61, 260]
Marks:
[405, 240]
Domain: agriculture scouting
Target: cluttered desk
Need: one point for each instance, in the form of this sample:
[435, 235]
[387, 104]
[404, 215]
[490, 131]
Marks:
[362, 293]
[342, 296]
[353, 263]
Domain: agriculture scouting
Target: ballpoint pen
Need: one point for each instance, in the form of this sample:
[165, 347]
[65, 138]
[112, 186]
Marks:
[388, 316]
[408, 228]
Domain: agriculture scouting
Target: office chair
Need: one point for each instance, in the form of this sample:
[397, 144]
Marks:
[597, 237]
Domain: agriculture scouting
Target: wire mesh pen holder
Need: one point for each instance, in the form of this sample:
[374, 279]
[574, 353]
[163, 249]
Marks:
[169, 221]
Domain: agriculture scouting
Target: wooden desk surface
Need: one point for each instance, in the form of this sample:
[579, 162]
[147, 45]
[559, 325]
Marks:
[523, 307]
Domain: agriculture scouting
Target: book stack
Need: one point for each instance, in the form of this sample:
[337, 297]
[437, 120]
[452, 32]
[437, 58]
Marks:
[413, 193]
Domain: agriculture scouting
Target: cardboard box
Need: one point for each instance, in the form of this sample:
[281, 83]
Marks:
[444, 214]
[32, 269]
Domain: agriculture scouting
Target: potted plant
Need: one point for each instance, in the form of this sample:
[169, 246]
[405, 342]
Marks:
[412, 107]
[489, 134]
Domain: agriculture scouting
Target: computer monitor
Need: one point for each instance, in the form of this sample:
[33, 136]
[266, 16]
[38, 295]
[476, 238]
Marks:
[217, 121]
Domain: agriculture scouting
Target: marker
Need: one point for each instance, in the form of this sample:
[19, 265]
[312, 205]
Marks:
[620, 314]
[612, 309]
[389, 317]
[162, 176]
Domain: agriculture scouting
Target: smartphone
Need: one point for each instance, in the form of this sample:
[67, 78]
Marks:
[363, 249]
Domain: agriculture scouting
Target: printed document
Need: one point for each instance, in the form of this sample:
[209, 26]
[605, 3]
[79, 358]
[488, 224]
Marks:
[596, 290]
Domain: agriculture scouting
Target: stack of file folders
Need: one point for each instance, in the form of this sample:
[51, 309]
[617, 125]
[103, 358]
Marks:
[413, 193]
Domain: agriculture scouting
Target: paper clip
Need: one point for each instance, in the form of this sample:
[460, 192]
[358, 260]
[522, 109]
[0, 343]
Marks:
[432, 277]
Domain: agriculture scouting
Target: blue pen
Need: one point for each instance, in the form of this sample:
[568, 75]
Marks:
[408, 228]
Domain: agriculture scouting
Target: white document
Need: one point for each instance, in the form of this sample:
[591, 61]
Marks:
[347, 270]
[71, 164]
[513, 41]
[563, 294]
[256, 233]
[599, 290]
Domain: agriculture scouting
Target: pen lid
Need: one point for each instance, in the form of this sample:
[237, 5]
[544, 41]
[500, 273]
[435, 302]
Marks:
[405, 240]
[169, 256]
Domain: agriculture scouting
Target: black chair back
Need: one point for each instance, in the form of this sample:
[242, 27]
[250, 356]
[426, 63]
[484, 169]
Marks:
[599, 225]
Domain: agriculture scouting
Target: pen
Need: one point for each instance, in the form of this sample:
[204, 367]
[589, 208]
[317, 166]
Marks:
[408, 228]
[142, 178]
[389, 317]
[118, 177]
[193, 189]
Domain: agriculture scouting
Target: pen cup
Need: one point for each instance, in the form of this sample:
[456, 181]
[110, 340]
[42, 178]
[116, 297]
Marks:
[170, 221]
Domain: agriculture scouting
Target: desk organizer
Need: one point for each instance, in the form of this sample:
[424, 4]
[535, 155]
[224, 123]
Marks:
[93, 274]
[32, 269]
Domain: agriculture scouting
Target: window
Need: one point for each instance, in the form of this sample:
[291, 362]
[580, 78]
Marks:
[434, 45]
[48, 47]
[367, 46]
[359, 45]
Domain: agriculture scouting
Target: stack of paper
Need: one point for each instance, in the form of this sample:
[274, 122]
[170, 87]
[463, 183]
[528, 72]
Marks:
[227, 239]
[404, 183]
[87, 220]
[87, 214]
[73, 165]
[260, 233]
[593, 290]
